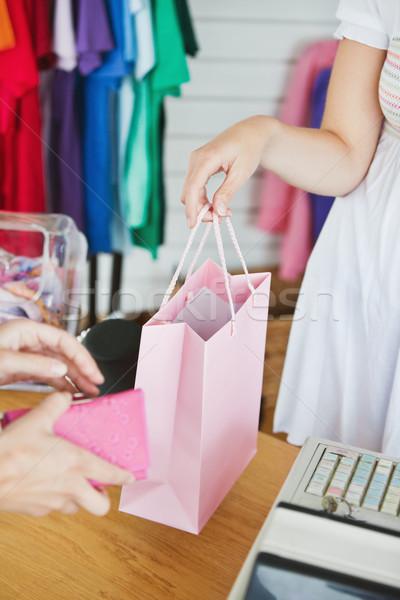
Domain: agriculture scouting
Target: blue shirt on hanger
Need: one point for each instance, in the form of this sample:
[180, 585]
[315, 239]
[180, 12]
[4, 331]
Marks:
[101, 127]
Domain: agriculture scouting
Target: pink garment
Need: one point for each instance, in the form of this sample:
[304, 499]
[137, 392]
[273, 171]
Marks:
[284, 208]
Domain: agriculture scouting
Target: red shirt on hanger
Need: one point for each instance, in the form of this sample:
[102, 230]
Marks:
[21, 175]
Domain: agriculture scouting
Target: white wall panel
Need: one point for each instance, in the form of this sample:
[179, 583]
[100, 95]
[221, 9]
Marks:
[255, 40]
[219, 79]
[204, 117]
[267, 10]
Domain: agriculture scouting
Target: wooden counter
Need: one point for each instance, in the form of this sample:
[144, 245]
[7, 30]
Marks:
[121, 557]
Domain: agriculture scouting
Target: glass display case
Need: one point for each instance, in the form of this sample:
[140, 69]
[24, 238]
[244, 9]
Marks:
[42, 259]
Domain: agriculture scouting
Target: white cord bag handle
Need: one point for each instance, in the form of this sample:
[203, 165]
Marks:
[218, 238]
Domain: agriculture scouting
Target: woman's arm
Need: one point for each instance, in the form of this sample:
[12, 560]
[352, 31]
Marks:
[331, 160]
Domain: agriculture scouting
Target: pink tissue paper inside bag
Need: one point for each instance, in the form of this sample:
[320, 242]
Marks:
[113, 427]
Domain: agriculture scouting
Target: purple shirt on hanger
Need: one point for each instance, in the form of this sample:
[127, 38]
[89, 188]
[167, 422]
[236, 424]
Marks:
[321, 205]
[93, 37]
[65, 156]
[93, 34]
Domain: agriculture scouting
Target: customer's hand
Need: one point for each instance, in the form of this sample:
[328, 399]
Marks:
[40, 472]
[40, 352]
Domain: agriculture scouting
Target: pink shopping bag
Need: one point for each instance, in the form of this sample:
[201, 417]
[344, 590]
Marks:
[200, 366]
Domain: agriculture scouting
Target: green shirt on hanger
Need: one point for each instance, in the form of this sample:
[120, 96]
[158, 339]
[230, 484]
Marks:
[170, 72]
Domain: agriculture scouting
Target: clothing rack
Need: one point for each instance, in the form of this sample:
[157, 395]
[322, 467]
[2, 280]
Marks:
[86, 119]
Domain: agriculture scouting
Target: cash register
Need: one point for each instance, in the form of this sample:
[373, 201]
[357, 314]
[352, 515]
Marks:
[333, 532]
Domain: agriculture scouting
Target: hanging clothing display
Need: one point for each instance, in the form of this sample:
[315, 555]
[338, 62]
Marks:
[94, 37]
[169, 73]
[100, 119]
[143, 23]
[286, 209]
[135, 185]
[133, 111]
[7, 37]
[78, 52]
[21, 181]
[134, 189]
[63, 156]
[65, 159]
[185, 21]
[64, 43]
[99, 127]
[320, 205]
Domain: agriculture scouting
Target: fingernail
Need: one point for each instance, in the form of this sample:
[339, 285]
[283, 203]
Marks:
[98, 377]
[131, 479]
[58, 368]
[221, 209]
[188, 223]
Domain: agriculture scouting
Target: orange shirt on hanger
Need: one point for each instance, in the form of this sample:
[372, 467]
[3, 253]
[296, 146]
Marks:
[7, 38]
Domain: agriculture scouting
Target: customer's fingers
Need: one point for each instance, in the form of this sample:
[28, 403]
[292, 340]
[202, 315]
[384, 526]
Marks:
[39, 338]
[50, 409]
[75, 354]
[95, 501]
[102, 471]
[22, 366]
[81, 382]
[69, 508]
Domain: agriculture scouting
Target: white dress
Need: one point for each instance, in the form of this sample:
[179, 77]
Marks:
[341, 378]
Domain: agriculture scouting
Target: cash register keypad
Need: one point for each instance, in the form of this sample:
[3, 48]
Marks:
[361, 479]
